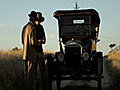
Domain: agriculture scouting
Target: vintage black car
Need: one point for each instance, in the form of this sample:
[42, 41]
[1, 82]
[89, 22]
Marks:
[78, 58]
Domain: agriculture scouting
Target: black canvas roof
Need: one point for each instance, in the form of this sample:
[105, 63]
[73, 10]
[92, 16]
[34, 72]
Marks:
[91, 12]
[75, 12]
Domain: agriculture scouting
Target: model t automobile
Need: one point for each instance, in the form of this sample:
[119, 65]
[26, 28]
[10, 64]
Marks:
[78, 58]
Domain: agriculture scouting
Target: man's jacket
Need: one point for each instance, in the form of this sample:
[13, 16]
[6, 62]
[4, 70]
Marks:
[28, 40]
[40, 35]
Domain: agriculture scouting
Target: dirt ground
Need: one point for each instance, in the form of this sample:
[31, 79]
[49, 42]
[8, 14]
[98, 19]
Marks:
[107, 83]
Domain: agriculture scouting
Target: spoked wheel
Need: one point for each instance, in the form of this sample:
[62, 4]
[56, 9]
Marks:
[100, 67]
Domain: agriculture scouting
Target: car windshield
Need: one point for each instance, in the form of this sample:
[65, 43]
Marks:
[75, 25]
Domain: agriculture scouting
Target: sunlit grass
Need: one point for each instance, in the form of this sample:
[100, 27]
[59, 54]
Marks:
[11, 70]
[113, 67]
[115, 57]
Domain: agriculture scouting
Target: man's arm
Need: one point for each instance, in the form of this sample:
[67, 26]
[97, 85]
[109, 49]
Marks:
[23, 32]
[26, 42]
[44, 37]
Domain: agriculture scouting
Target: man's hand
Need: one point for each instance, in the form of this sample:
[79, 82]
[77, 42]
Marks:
[41, 41]
[44, 41]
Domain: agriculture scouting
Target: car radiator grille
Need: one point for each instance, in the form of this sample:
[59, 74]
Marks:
[73, 57]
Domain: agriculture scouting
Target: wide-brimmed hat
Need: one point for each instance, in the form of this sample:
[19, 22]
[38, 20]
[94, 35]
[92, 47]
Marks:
[33, 14]
[40, 17]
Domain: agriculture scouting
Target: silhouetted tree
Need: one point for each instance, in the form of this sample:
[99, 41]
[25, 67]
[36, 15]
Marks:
[15, 49]
[112, 45]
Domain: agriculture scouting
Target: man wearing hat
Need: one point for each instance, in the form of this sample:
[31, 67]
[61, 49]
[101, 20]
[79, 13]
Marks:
[40, 39]
[28, 41]
[33, 36]
[40, 34]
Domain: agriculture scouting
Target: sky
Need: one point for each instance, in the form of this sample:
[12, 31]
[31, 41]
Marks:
[14, 15]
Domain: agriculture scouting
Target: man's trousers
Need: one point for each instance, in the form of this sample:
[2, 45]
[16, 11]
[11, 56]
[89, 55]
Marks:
[31, 72]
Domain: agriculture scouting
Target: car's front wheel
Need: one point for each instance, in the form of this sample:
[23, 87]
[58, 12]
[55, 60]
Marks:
[100, 67]
[48, 73]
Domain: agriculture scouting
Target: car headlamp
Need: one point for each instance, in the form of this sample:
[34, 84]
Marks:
[85, 56]
[60, 57]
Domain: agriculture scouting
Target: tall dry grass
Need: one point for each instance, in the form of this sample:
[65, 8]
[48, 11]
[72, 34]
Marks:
[11, 70]
[115, 59]
[12, 75]
[113, 67]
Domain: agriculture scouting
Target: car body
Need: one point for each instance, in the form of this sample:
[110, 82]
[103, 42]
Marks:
[78, 58]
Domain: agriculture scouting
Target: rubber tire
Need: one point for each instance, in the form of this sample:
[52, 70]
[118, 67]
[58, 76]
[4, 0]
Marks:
[48, 78]
[58, 82]
[99, 79]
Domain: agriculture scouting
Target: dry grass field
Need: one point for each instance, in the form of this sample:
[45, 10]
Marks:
[11, 70]
[12, 75]
[113, 67]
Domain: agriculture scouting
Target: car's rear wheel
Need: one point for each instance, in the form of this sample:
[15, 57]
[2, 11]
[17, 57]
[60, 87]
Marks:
[48, 73]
